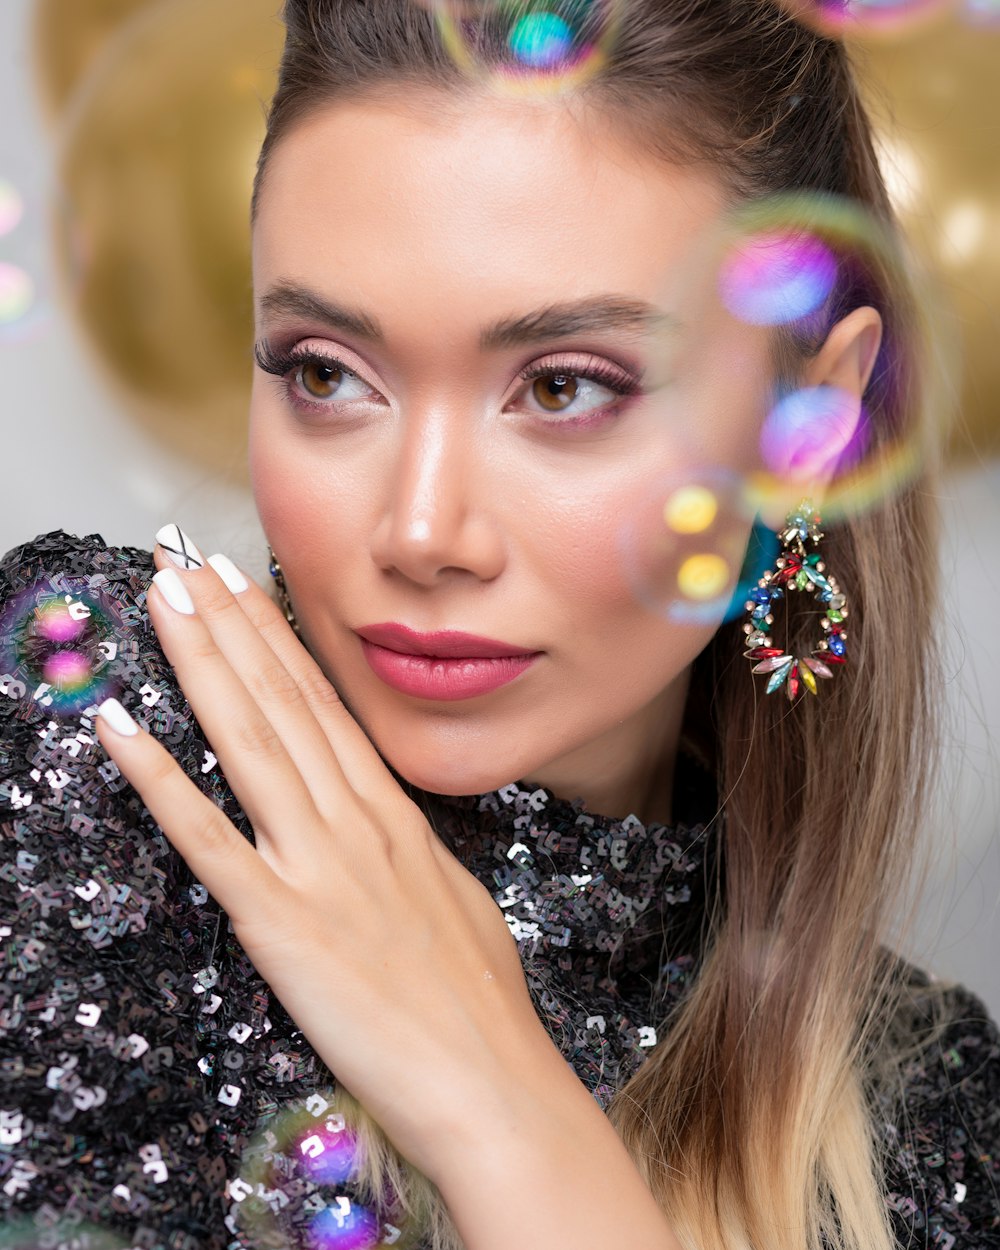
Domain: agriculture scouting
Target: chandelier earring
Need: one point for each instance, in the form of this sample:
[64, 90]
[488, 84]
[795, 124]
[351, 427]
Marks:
[796, 569]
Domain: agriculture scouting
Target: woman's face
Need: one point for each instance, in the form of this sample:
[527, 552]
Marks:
[427, 482]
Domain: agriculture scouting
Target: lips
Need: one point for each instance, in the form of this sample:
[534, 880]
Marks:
[448, 664]
[444, 644]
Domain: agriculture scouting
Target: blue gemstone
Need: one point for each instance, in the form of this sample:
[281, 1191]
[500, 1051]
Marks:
[759, 612]
[760, 594]
[836, 644]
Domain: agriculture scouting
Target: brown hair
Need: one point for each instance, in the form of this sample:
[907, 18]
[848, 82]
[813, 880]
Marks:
[751, 1120]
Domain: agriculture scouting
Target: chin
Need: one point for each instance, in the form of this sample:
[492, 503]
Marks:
[452, 781]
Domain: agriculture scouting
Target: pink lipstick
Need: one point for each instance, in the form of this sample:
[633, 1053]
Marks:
[446, 664]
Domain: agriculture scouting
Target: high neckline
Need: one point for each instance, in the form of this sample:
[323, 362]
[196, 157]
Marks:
[568, 878]
[608, 914]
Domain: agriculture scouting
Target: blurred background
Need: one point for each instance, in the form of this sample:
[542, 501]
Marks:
[129, 137]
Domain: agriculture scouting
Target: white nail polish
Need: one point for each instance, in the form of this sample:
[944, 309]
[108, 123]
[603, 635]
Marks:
[229, 573]
[179, 547]
[169, 584]
[117, 717]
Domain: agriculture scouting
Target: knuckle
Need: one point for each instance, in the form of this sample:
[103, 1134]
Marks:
[257, 736]
[272, 682]
[319, 691]
[210, 831]
[214, 602]
[163, 769]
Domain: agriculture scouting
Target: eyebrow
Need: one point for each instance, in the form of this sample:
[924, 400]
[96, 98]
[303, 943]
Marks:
[593, 314]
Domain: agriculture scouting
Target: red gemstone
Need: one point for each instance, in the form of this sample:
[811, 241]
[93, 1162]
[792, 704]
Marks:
[828, 657]
[763, 653]
[793, 681]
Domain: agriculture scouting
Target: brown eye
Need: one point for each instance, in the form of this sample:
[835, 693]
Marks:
[555, 391]
[326, 376]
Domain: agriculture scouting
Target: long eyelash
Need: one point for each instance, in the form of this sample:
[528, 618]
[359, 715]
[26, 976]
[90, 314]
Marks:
[607, 375]
[597, 370]
[279, 363]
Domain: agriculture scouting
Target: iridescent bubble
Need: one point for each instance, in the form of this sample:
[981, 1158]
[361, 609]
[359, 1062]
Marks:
[684, 545]
[11, 206]
[328, 1153]
[57, 623]
[791, 265]
[867, 17]
[25, 1234]
[528, 46]
[810, 430]
[68, 671]
[982, 12]
[775, 277]
[690, 509]
[310, 1151]
[541, 39]
[703, 576]
[17, 290]
[57, 649]
[344, 1225]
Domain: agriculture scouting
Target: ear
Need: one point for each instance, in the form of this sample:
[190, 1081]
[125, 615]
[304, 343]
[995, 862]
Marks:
[847, 357]
[805, 436]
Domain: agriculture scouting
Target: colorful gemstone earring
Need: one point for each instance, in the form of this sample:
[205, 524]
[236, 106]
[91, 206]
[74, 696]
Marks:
[274, 568]
[794, 569]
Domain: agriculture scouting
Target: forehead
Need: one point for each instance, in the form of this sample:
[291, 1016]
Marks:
[456, 202]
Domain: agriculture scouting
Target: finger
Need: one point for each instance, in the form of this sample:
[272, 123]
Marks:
[360, 761]
[268, 744]
[220, 857]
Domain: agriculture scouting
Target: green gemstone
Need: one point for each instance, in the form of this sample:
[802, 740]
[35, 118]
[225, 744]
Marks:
[802, 579]
[813, 558]
[834, 615]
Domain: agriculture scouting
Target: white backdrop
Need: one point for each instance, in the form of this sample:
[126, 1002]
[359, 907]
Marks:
[69, 459]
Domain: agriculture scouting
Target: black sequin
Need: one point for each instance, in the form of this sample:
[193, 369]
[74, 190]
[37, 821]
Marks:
[148, 1077]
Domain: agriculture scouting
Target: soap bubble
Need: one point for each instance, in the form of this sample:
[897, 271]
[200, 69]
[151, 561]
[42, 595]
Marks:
[528, 46]
[297, 1180]
[57, 648]
[799, 262]
[878, 18]
[690, 547]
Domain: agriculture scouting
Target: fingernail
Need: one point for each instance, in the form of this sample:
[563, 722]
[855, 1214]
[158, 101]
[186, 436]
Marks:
[179, 547]
[115, 715]
[229, 573]
[169, 584]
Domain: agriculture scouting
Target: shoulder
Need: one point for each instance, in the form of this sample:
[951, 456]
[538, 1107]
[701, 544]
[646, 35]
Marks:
[57, 554]
[104, 928]
[939, 1115]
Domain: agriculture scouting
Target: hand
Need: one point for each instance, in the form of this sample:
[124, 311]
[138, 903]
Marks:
[393, 960]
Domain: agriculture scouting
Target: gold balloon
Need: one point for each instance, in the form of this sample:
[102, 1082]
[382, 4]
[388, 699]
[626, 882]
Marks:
[940, 86]
[152, 236]
[68, 35]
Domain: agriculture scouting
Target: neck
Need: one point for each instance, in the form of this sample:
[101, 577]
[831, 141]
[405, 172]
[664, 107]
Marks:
[630, 769]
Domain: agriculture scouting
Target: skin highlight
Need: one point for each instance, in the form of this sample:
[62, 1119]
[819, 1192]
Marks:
[434, 488]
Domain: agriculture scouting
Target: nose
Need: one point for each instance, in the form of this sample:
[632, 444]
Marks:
[439, 515]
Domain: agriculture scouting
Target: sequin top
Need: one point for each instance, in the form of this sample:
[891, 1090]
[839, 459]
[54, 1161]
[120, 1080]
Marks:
[153, 1091]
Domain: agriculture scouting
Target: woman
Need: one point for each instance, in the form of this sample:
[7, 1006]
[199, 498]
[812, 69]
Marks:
[489, 368]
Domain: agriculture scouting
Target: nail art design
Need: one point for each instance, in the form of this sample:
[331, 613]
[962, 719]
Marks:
[179, 547]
